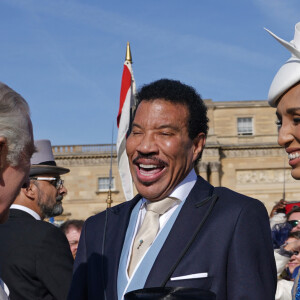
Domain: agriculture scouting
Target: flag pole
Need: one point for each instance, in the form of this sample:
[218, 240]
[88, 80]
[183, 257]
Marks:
[109, 200]
[128, 56]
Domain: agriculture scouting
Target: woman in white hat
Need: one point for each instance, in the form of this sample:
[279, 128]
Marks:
[284, 94]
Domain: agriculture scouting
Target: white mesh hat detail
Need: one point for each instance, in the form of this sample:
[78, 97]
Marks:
[289, 74]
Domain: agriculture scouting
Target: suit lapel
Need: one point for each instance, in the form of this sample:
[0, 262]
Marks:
[190, 216]
[117, 221]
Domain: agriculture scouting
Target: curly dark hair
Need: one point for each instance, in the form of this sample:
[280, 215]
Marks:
[280, 233]
[179, 93]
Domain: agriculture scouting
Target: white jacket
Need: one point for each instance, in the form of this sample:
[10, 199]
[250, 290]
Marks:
[284, 287]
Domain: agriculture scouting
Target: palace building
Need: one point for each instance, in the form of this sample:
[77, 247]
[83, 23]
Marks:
[241, 153]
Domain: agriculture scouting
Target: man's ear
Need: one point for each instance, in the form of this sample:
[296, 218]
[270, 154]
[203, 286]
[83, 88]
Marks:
[198, 143]
[3, 151]
[30, 191]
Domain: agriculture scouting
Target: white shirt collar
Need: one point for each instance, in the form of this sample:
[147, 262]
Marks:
[183, 189]
[26, 209]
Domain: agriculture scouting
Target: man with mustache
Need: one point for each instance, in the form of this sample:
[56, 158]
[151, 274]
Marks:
[35, 258]
[180, 237]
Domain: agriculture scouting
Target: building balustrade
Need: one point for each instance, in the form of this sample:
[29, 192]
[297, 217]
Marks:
[83, 149]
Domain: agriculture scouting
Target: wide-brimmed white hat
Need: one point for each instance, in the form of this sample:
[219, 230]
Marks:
[42, 161]
[289, 74]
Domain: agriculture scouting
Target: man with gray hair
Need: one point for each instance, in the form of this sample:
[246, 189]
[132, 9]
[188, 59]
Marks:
[16, 146]
[16, 149]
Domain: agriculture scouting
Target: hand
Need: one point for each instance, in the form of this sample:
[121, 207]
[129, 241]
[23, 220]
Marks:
[280, 205]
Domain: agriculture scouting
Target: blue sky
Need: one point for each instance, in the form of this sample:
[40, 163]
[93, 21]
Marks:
[66, 56]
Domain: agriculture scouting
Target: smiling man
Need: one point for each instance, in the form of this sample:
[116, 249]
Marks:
[179, 234]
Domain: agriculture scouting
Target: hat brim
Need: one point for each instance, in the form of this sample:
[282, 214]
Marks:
[287, 76]
[46, 169]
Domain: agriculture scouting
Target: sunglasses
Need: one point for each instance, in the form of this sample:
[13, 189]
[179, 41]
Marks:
[294, 223]
[56, 182]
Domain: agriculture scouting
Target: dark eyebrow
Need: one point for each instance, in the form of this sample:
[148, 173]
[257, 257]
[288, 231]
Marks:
[166, 126]
[292, 110]
[136, 125]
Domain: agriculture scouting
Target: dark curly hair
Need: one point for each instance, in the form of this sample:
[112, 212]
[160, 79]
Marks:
[280, 232]
[179, 93]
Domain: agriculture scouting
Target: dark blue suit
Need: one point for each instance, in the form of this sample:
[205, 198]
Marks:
[35, 258]
[233, 246]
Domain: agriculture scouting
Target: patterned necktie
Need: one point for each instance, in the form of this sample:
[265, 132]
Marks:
[148, 231]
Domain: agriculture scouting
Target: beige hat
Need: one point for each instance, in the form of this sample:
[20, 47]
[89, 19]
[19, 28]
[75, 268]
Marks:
[289, 74]
[42, 161]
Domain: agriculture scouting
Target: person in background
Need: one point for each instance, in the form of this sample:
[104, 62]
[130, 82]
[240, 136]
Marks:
[16, 149]
[287, 262]
[284, 94]
[72, 230]
[289, 223]
[285, 211]
[293, 218]
[35, 258]
[277, 214]
[294, 262]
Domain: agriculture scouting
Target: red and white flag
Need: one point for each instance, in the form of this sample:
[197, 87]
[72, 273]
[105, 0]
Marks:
[127, 102]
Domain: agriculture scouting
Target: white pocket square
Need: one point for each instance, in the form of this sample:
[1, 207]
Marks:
[191, 276]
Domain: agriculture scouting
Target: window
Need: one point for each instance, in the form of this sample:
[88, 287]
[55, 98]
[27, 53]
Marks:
[244, 126]
[103, 183]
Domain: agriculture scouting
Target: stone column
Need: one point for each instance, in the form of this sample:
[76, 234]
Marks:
[202, 167]
[215, 173]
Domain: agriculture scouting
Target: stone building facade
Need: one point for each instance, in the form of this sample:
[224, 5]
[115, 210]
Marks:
[241, 153]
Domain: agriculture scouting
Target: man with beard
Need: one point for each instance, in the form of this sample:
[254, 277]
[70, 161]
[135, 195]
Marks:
[35, 258]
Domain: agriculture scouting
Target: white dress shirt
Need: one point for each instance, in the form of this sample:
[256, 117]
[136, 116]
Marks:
[4, 291]
[180, 192]
[26, 209]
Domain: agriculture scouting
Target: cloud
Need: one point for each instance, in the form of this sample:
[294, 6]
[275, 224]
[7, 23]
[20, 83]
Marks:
[124, 26]
[280, 10]
[48, 44]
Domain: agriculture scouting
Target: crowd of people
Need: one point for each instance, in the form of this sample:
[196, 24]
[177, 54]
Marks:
[286, 244]
[178, 238]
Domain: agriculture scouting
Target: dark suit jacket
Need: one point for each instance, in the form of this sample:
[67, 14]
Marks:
[35, 258]
[234, 247]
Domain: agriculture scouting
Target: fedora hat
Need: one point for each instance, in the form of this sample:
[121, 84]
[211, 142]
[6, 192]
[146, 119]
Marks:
[289, 74]
[42, 161]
